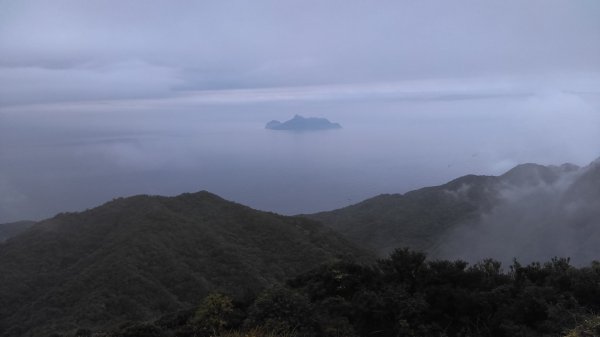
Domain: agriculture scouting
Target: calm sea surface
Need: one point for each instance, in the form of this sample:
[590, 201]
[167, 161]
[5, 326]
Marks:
[69, 158]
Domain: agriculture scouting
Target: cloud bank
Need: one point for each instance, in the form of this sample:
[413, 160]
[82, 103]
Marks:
[87, 50]
[538, 216]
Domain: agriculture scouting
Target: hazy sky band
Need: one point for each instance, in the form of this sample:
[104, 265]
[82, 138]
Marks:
[101, 99]
[90, 50]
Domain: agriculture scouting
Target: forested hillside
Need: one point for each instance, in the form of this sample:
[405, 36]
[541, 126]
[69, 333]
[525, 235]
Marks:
[137, 258]
[8, 230]
[532, 212]
[415, 219]
[403, 295]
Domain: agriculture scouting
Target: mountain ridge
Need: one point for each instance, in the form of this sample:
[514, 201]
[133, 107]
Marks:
[409, 212]
[96, 268]
[428, 218]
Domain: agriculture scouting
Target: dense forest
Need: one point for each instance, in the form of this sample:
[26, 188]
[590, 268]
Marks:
[396, 168]
[405, 294]
[199, 265]
[136, 258]
[532, 211]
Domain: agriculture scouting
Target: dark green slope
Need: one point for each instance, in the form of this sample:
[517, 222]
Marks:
[137, 258]
[415, 219]
[420, 219]
[8, 230]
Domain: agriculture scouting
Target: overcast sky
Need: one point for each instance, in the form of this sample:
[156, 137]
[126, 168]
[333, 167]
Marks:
[90, 50]
[100, 99]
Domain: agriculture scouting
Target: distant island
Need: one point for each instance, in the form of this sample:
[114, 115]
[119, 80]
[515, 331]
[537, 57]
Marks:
[299, 123]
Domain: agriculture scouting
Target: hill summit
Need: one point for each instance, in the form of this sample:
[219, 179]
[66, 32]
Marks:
[532, 212]
[137, 258]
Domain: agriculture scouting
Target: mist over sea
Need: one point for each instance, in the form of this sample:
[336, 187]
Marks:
[69, 157]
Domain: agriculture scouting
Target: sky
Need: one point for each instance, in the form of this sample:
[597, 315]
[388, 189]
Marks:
[98, 50]
[519, 79]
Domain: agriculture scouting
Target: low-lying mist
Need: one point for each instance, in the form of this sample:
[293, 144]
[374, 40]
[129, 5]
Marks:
[68, 157]
[543, 212]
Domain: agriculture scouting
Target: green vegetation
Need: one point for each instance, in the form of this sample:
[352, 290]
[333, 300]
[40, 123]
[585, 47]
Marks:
[135, 259]
[403, 295]
[417, 219]
[214, 313]
[197, 265]
[424, 219]
[590, 327]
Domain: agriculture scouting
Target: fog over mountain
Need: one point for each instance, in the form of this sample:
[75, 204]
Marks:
[442, 126]
[542, 212]
[108, 99]
[531, 213]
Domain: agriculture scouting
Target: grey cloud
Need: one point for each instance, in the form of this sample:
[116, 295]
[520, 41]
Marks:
[239, 44]
[128, 79]
[535, 220]
[419, 86]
